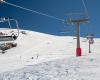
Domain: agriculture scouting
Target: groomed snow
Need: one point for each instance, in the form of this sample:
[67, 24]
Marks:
[41, 56]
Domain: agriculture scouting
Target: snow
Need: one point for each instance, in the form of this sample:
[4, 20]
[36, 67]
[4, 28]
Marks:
[41, 56]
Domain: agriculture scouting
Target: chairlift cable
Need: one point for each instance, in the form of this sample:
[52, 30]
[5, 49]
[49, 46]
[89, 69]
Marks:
[33, 11]
[85, 8]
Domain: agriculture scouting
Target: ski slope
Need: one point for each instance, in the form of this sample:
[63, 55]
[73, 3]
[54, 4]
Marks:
[41, 56]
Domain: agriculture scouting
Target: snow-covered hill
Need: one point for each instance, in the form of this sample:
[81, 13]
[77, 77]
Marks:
[41, 56]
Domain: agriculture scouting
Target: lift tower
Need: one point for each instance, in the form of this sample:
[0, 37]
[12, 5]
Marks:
[77, 22]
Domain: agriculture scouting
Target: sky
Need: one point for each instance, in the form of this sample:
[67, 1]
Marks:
[57, 8]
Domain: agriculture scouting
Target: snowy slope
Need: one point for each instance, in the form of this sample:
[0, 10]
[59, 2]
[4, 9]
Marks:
[41, 56]
[61, 69]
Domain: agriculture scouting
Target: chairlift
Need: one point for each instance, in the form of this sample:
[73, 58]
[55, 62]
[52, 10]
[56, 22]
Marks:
[8, 34]
[90, 36]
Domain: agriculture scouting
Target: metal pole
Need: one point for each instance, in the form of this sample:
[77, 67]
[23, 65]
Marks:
[16, 24]
[78, 35]
[89, 47]
[78, 49]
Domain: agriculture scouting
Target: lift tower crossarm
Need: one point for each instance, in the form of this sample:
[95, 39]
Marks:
[79, 21]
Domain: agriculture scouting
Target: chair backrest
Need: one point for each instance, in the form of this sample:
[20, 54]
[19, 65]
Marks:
[8, 38]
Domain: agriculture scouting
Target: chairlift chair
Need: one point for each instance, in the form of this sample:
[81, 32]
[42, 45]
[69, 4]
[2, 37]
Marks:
[10, 36]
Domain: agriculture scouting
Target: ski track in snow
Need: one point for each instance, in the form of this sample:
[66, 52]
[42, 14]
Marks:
[62, 69]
